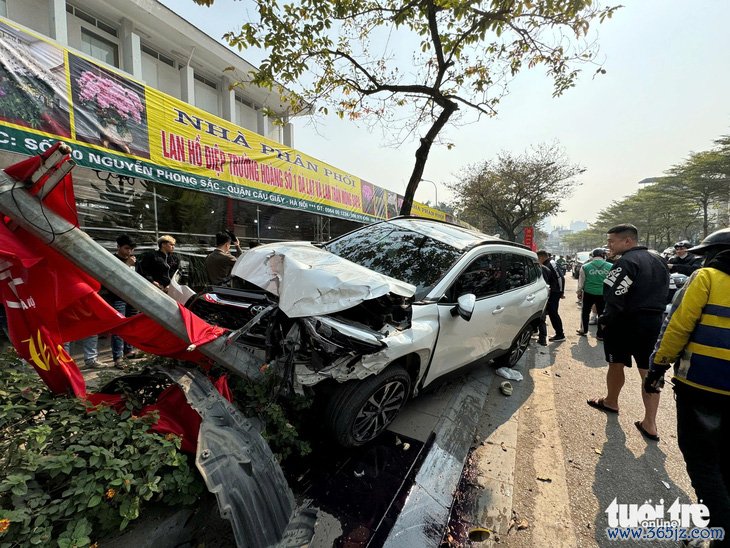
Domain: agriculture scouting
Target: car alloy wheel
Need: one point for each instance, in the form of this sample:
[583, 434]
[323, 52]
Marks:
[517, 349]
[359, 411]
[379, 411]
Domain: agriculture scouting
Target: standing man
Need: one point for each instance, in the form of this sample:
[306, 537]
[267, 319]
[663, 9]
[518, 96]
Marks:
[590, 289]
[635, 294]
[220, 261]
[683, 261]
[125, 253]
[160, 266]
[555, 282]
[697, 340]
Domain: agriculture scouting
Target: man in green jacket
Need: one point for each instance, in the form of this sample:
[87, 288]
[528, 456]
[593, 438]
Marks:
[590, 289]
[696, 339]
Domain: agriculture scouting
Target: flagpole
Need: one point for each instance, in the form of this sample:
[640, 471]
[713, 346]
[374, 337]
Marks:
[78, 247]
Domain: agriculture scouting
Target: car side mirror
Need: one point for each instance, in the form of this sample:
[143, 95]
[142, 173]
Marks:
[465, 306]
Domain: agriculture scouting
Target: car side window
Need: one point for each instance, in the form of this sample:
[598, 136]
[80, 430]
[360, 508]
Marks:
[483, 277]
[535, 272]
[516, 271]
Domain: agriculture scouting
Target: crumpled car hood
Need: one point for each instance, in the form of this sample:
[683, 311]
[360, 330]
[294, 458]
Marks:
[311, 281]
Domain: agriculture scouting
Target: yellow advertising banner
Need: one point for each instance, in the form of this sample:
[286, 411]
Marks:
[119, 125]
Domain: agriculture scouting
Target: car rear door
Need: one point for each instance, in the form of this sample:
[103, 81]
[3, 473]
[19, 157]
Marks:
[523, 295]
[460, 341]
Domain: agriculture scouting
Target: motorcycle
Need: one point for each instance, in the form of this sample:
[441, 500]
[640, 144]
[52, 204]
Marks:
[676, 282]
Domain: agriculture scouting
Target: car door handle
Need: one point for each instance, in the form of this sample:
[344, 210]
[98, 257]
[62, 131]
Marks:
[498, 310]
[530, 297]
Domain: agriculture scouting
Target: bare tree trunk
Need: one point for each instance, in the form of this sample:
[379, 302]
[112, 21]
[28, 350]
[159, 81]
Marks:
[422, 155]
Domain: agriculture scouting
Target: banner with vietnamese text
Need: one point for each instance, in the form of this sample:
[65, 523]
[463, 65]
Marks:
[117, 124]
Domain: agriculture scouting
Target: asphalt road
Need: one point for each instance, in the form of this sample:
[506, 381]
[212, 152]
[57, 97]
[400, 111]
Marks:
[570, 460]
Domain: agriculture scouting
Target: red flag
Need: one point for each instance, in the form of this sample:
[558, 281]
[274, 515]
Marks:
[48, 301]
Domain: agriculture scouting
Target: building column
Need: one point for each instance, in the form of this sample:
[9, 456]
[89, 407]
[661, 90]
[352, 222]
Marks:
[228, 98]
[59, 28]
[131, 49]
[262, 123]
[187, 84]
[288, 133]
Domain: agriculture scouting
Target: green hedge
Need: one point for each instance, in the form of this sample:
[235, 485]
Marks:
[71, 475]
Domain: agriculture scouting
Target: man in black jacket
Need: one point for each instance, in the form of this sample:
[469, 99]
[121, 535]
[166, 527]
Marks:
[160, 266]
[635, 295]
[683, 261]
[553, 279]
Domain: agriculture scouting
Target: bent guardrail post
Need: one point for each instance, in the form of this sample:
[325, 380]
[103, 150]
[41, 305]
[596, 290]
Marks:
[74, 244]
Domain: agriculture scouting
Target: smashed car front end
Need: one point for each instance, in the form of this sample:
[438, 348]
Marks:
[313, 316]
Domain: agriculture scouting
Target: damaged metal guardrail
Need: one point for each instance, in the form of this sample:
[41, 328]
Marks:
[236, 463]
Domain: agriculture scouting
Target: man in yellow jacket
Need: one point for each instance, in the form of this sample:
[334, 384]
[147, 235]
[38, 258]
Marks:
[696, 339]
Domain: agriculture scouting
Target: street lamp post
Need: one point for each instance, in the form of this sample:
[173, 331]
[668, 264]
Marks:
[435, 190]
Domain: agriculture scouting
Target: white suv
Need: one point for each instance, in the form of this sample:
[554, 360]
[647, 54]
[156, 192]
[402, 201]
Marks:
[372, 317]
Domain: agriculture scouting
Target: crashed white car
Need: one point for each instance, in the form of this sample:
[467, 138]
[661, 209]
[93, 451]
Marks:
[370, 318]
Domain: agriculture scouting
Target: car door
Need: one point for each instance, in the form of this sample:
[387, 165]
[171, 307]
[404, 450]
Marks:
[460, 341]
[522, 298]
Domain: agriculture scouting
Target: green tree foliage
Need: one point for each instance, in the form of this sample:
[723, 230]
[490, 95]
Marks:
[584, 240]
[424, 59]
[516, 191]
[704, 179]
[71, 473]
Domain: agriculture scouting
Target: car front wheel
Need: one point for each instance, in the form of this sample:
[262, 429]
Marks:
[359, 411]
[517, 349]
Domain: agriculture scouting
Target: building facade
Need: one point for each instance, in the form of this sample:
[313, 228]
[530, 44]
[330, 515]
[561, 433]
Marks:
[167, 135]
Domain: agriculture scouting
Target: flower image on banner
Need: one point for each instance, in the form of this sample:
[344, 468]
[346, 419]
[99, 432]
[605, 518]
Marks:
[113, 104]
[109, 109]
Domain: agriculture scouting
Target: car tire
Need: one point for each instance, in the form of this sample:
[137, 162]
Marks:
[517, 350]
[359, 411]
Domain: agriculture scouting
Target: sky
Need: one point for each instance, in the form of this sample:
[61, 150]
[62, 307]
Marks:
[665, 94]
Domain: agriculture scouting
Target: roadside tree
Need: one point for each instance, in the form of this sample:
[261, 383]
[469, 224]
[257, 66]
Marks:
[411, 66]
[704, 179]
[516, 191]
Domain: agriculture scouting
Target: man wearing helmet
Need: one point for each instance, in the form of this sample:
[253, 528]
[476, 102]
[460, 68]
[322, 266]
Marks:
[590, 289]
[684, 262]
[696, 339]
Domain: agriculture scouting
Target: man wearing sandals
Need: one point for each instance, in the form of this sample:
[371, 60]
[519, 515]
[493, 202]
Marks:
[635, 295]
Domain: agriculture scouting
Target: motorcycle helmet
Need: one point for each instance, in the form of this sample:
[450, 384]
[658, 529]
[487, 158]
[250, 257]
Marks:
[713, 244]
[598, 252]
[683, 243]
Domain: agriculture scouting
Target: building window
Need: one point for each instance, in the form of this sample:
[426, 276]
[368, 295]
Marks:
[4, 8]
[98, 48]
[205, 81]
[159, 56]
[90, 19]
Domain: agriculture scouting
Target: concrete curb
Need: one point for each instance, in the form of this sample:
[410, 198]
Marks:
[425, 514]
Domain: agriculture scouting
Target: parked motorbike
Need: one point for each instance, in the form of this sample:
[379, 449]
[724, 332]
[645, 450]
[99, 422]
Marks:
[676, 282]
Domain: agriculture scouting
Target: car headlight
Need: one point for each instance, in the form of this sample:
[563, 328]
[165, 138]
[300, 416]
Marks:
[338, 337]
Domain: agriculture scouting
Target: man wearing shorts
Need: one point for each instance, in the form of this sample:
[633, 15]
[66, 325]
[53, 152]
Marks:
[635, 294]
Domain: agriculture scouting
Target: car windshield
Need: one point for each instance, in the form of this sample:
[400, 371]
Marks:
[398, 252]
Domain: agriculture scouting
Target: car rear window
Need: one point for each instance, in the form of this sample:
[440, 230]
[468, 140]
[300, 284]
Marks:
[399, 253]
